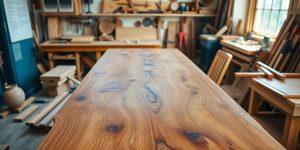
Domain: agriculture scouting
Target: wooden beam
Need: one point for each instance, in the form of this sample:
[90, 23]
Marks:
[46, 110]
[24, 105]
[49, 118]
[249, 74]
[21, 117]
[275, 72]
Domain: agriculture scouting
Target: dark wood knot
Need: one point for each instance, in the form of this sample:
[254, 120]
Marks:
[80, 98]
[114, 128]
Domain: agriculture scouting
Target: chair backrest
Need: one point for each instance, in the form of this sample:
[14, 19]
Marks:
[219, 66]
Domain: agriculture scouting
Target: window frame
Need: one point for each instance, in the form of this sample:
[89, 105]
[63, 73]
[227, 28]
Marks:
[252, 12]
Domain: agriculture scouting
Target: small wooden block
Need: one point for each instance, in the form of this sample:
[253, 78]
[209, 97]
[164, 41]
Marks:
[4, 114]
[59, 73]
[26, 113]
[55, 91]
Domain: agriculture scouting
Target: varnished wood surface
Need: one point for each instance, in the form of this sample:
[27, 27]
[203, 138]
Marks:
[144, 99]
[289, 88]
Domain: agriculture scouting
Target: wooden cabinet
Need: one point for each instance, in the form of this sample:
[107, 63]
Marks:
[61, 7]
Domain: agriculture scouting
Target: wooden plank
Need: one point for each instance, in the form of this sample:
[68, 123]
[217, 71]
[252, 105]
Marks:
[110, 5]
[55, 91]
[239, 27]
[247, 50]
[49, 118]
[269, 74]
[172, 31]
[275, 72]
[53, 25]
[288, 89]
[49, 83]
[88, 60]
[33, 121]
[142, 95]
[59, 73]
[25, 104]
[238, 55]
[249, 74]
[21, 117]
[82, 39]
[132, 33]
[4, 113]
[275, 49]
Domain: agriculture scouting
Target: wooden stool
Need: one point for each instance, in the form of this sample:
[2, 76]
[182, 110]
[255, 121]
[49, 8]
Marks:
[53, 57]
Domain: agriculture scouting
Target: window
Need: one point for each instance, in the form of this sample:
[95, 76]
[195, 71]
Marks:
[270, 16]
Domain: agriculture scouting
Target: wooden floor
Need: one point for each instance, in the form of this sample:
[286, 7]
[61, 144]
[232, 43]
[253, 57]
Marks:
[19, 136]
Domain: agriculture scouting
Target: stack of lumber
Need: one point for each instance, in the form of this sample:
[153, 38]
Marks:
[224, 14]
[26, 104]
[56, 80]
[285, 53]
[44, 118]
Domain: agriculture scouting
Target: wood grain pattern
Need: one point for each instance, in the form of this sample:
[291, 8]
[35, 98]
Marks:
[153, 99]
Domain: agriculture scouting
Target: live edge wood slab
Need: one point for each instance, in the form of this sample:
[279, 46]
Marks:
[153, 99]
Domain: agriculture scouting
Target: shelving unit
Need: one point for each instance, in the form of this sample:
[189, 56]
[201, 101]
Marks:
[129, 15]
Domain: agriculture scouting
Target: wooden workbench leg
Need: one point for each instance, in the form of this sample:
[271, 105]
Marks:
[254, 103]
[78, 70]
[50, 61]
[98, 55]
[291, 131]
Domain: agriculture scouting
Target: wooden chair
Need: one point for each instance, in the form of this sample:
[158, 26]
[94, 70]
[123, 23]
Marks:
[219, 66]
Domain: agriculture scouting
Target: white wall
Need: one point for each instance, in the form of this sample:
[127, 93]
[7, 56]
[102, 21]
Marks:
[240, 11]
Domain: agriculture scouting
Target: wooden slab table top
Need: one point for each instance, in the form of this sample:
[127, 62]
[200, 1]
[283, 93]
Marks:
[284, 96]
[146, 99]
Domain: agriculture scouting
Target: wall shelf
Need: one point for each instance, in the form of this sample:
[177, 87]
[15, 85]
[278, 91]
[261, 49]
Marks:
[129, 15]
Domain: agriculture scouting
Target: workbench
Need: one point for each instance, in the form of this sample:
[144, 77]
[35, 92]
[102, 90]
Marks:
[153, 99]
[97, 47]
[241, 53]
[284, 96]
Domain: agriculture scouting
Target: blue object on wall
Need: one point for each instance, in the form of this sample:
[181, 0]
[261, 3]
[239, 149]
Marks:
[19, 59]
